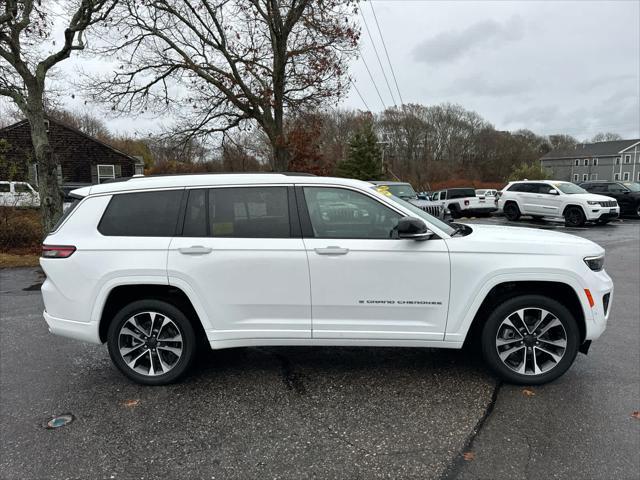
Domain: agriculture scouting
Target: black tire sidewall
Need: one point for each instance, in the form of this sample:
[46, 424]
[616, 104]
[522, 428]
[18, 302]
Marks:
[516, 211]
[578, 223]
[501, 312]
[179, 318]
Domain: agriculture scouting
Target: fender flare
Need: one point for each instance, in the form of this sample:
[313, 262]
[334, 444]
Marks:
[472, 307]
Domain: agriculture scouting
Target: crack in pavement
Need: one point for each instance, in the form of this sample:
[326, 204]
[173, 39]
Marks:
[453, 470]
[290, 378]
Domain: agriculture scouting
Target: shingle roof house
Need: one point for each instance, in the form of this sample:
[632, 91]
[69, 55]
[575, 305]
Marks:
[615, 160]
[82, 159]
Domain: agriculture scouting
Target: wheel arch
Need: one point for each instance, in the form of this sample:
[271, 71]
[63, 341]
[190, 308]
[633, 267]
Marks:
[557, 290]
[121, 295]
[570, 205]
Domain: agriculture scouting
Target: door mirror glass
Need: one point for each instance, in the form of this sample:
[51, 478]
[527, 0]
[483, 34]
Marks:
[413, 228]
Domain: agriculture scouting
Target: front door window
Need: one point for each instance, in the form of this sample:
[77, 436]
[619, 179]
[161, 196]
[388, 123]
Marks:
[342, 213]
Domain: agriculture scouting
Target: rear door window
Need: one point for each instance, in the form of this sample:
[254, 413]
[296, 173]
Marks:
[142, 214]
[238, 212]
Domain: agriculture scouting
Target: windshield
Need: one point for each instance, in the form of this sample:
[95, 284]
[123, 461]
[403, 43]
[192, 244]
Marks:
[569, 188]
[633, 186]
[402, 190]
[445, 227]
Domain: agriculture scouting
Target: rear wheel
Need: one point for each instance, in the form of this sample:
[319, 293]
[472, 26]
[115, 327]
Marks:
[530, 340]
[574, 217]
[511, 211]
[152, 342]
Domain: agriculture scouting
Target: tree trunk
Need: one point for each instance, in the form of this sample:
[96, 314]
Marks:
[280, 156]
[48, 187]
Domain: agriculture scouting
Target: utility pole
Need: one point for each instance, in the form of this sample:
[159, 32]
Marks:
[383, 145]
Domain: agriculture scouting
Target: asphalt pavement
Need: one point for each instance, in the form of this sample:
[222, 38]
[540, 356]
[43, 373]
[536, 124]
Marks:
[320, 412]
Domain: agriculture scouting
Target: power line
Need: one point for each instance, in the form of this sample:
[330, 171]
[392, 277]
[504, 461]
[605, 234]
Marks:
[359, 94]
[372, 80]
[373, 44]
[393, 73]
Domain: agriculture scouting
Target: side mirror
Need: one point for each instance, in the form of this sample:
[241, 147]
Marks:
[413, 229]
[553, 192]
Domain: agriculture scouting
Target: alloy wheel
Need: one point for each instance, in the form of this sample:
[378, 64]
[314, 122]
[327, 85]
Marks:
[150, 343]
[531, 341]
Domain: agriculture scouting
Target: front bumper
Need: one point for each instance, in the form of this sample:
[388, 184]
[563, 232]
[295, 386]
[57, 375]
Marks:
[87, 332]
[601, 287]
[602, 213]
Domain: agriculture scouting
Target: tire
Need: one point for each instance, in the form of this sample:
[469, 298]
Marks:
[638, 210]
[511, 211]
[574, 217]
[455, 211]
[557, 336]
[140, 333]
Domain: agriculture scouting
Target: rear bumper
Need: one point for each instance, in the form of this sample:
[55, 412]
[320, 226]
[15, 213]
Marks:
[87, 332]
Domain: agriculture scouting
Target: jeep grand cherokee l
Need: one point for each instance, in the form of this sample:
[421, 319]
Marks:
[154, 267]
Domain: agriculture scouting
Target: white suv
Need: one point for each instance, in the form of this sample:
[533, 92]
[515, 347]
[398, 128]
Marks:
[550, 198]
[156, 266]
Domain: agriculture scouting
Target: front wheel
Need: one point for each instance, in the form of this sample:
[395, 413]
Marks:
[152, 342]
[511, 211]
[574, 217]
[530, 340]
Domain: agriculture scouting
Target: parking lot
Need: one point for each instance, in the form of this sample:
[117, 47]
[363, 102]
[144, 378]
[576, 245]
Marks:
[322, 412]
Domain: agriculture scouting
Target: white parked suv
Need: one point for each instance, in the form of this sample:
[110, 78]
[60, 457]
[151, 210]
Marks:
[550, 198]
[156, 266]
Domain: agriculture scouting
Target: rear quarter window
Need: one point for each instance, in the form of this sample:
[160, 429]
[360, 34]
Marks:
[142, 214]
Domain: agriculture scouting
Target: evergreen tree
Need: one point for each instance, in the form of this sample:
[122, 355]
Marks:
[363, 161]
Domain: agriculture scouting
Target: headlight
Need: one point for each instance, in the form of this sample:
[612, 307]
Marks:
[595, 263]
[593, 203]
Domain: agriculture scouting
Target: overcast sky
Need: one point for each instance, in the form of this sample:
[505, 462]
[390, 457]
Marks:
[571, 67]
[551, 67]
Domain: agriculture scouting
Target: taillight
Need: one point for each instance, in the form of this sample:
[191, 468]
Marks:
[57, 251]
[466, 202]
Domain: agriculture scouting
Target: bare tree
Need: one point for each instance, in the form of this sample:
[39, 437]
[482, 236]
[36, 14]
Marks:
[605, 137]
[230, 62]
[24, 68]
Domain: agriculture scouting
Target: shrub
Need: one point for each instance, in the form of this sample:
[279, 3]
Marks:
[19, 229]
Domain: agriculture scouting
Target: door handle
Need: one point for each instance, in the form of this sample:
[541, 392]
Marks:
[331, 251]
[195, 250]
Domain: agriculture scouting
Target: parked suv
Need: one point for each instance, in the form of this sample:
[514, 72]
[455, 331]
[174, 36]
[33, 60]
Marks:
[550, 198]
[627, 194]
[154, 267]
[406, 192]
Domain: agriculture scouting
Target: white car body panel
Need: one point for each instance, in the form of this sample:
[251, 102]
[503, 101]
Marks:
[248, 287]
[250, 291]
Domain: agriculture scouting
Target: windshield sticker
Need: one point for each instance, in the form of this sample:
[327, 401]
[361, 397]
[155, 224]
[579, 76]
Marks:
[384, 189]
